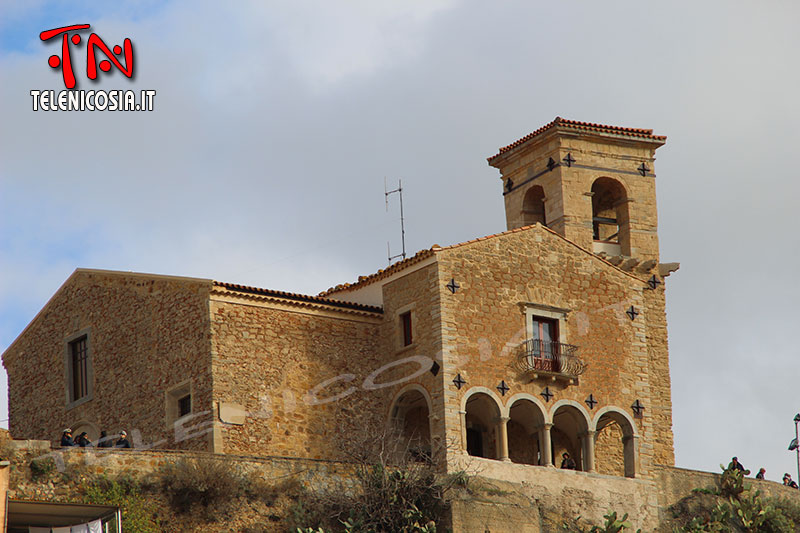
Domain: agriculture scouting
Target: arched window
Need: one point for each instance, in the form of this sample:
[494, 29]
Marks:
[610, 223]
[533, 207]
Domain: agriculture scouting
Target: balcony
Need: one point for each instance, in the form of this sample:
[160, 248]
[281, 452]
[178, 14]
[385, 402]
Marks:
[550, 360]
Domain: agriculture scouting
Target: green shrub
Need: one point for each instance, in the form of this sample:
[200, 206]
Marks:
[611, 525]
[42, 468]
[138, 514]
[734, 506]
[731, 482]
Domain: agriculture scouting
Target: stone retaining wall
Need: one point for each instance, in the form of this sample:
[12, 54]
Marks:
[499, 498]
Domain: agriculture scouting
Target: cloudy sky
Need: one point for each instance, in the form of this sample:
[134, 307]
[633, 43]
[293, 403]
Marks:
[275, 124]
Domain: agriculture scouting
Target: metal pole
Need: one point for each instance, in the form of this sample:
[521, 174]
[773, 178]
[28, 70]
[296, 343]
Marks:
[796, 435]
[386, 193]
[403, 230]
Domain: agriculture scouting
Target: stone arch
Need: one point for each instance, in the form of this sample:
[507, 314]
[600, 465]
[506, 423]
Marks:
[571, 433]
[527, 418]
[481, 411]
[410, 420]
[533, 209]
[610, 216]
[489, 392]
[616, 439]
[91, 429]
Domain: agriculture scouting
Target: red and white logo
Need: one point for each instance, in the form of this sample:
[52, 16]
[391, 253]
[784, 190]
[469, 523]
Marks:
[119, 57]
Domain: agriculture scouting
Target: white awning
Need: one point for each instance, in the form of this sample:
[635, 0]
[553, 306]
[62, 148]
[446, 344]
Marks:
[23, 513]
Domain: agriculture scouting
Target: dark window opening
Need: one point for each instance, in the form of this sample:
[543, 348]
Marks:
[405, 321]
[475, 442]
[185, 405]
[533, 209]
[79, 366]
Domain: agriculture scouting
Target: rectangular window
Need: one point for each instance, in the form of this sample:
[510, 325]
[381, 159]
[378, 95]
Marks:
[185, 405]
[79, 368]
[405, 323]
[178, 400]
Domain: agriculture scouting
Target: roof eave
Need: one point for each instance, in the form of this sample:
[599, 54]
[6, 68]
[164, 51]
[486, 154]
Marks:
[568, 130]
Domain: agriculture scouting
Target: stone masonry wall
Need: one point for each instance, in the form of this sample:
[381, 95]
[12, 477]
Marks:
[568, 202]
[416, 292]
[619, 162]
[537, 499]
[501, 497]
[146, 334]
[484, 324]
[655, 315]
[266, 360]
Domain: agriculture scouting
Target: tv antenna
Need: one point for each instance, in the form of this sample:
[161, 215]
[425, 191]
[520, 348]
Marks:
[386, 193]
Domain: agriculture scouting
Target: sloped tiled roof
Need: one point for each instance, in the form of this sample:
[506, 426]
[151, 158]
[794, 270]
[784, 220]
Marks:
[384, 272]
[581, 126]
[296, 297]
[423, 254]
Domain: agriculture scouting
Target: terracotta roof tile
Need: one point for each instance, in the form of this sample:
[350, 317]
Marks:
[582, 126]
[301, 298]
[423, 254]
[383, 273]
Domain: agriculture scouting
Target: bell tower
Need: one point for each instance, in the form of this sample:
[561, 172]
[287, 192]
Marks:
[593, 184]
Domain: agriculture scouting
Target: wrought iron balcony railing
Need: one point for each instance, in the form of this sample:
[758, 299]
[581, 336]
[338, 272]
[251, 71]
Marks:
[550, 358]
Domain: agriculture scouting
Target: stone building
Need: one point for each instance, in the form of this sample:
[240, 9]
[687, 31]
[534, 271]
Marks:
[518, 347]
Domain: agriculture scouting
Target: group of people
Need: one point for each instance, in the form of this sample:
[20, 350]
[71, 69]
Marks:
[105, 441]
[736, 465]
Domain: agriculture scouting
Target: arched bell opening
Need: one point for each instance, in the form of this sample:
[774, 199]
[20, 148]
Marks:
[533, 210]
[610, 217]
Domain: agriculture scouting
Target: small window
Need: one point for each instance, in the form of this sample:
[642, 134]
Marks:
[178, 401]
[79, 369]
[185, 405]
[405, 323]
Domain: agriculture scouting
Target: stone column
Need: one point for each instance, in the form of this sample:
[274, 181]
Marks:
[546, 444]
[630, 443]
[502, 438]
[463, 417]
[588, 451]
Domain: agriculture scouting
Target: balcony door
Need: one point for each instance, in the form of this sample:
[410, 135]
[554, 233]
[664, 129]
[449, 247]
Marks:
[545, 343]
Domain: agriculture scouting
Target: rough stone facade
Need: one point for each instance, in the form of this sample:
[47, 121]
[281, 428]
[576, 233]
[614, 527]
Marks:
[566, 159]
[145, 334]
[447, 345]
[267, 357]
